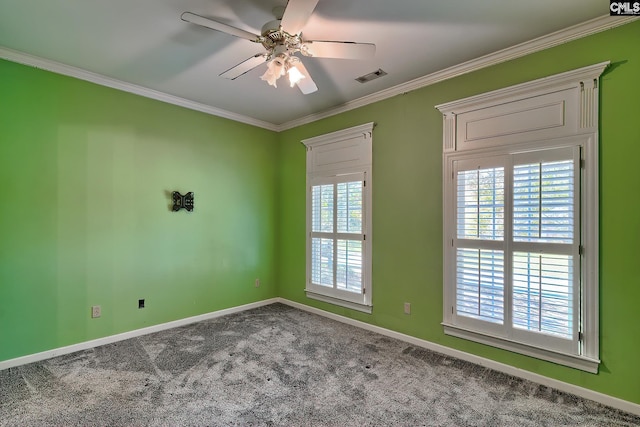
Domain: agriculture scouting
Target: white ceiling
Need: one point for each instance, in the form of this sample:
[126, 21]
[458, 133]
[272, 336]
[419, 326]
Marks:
[145, 43]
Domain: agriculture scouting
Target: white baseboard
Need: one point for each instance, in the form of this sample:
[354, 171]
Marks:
[602, 398]
[586, 393]
[36, 357]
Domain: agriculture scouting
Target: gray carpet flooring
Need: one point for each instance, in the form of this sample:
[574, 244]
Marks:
[279, 366]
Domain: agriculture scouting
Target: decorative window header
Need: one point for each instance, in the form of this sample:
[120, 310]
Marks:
[564, 104]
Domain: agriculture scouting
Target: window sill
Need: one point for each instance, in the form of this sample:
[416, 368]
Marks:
[578, 362]
[342, 303]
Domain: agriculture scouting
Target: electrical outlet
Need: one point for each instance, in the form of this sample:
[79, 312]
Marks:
[407, 308]
[257, 283]
[95, 311]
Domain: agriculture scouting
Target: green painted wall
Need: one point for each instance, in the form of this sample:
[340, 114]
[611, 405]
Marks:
[407, 206]
[86, 174]
[87, 171]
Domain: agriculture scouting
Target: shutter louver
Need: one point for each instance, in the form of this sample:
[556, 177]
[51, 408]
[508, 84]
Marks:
[349, 273]
[543, 202]
[480, 206]
[543, 293]
[350, 207]
[322, 261]
[480, 284]
[322, 208]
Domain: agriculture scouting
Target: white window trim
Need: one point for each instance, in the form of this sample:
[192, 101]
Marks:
[338, 153]
[578, 125]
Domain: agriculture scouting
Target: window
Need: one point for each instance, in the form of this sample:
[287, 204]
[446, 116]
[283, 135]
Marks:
[336, 232]
[518, 277]
[520, 219]
[339, 218]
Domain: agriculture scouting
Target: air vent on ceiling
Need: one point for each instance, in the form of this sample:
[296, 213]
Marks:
[372, 76]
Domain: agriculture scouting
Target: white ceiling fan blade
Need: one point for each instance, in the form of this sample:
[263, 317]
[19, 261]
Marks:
[306, 85]
[244, 67]
[297, 14]
[218, 26]
[342, 50]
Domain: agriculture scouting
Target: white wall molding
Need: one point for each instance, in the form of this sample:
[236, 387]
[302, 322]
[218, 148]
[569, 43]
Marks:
[361, 131]
[557, 82]
[36, 357]
[566, 35]
[586, 393]
[605, 399]
[79, 73]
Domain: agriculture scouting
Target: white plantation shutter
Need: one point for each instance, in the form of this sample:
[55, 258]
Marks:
[546, 244]
[517, 278]
[543, 293]
[349, 221]
[339, 218]
[337, 232]
[543, 201]
[349, 210]
[322, 263]
[480, 284]
[480, 195]
[480, 217]
[349, 265]
[322, 208]
[322, 252]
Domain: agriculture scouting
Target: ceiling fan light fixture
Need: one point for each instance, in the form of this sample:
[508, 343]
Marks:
[275, 69]
[281, 64]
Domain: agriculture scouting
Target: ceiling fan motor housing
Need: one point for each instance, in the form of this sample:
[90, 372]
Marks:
[272, 30]
[278, 41]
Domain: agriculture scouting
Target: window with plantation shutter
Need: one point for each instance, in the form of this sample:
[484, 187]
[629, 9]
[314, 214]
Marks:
[517, 277]
[339, 218]
[520, 185]
[545, 206]
[337, 233]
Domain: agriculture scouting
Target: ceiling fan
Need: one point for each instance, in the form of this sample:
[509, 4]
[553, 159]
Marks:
[282, 39]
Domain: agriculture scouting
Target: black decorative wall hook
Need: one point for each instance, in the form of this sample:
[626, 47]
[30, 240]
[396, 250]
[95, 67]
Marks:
[180, 201]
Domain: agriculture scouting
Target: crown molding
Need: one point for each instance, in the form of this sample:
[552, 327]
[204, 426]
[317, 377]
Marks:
[566, 35]
[78, 73]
